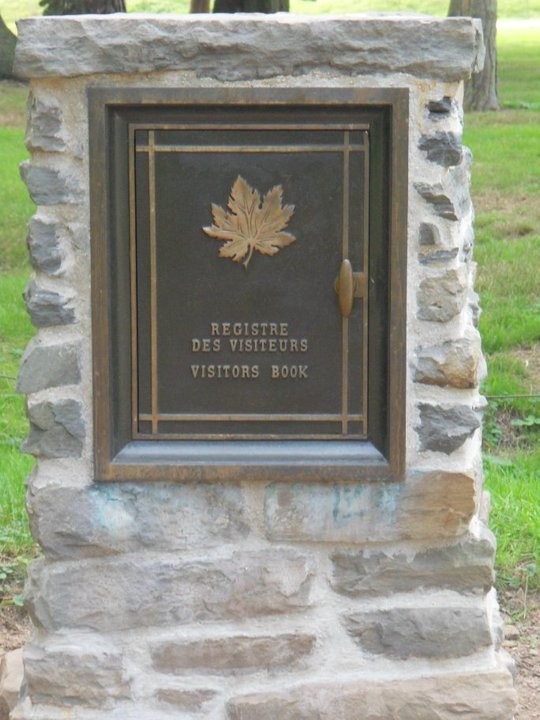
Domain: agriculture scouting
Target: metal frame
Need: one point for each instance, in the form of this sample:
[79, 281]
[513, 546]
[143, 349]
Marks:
[123, 453]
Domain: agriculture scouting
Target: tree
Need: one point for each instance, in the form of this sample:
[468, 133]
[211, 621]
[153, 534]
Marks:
[199, 6]
[81, 7]
[7, 50]
[264, 6]
[481, 89]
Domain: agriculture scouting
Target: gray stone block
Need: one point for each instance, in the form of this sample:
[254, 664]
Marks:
[439, 257]
[185, 700]
[155, 590]
[465, 567]
[236, 47]
[45, 366]
[488, 695]
[46, 307]
[446, 429]
[443, 148]
[455, 363]
[439, 109]
[231, 655]
[437, 196]
[106, 519]
[44, 247]
[56, 429]
[429, 235]
[427, 632]
[370, 512]
[82, 670]
[50, 186]
[45, 126]
[442, 297]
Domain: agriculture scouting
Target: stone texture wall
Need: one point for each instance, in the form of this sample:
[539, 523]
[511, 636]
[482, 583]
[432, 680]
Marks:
[248, 601]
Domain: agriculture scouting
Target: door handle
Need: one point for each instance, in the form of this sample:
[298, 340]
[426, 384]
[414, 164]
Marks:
[349, 285]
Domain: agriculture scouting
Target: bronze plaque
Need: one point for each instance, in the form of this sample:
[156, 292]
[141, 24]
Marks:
[248, 255]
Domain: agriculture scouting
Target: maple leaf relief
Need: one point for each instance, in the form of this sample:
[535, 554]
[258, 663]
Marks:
[251, 224]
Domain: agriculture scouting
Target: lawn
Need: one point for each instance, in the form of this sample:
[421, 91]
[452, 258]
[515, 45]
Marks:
[506, 190]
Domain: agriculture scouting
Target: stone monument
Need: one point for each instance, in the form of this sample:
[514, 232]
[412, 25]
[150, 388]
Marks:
[253, 393]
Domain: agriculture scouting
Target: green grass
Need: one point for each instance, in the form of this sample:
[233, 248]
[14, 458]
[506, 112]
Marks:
[15, 331]
[515, 518]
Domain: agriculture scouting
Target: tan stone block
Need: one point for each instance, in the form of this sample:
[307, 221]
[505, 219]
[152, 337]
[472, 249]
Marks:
[231, 654]
[427, 505]
[475, 696]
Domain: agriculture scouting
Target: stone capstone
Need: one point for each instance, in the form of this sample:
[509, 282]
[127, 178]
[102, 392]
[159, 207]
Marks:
[231, 655]
[81, 670]
[49, 185]
[46, 307]
[466, 567]
[56, 429]
[443, 148]
[44, 126]
[442, 297]
[455, 363]
[446, 429]
[45, 366]
[44, 246]
[474, 695]
[426, 632]
[154, 590]
[107, 518]
[370, 512]
[230, 47]
[185, 700]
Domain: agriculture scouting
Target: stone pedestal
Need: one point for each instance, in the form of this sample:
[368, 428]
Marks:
[251, 599]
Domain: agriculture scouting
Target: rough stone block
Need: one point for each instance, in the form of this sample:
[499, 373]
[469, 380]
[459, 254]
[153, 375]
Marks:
[436, 505]
[446, 429]
[44, 246]
[46, 307]
[455, 363]
[443, 148]
[45, 366]
[439, 109]
[105, 519]
[45, 125]
[232, 47]
[422, 632]
[11, 681]
[475, 696]
[466, 566]
[49, 185]
[231, 655]
[439, 257]
[185, 700]
[442, 297]
[56, 429]
[81, 670]
[429, 235]
[450, 199]
[152, 590]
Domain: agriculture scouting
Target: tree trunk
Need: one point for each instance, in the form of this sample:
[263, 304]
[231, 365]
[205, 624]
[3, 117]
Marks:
[7, 50]
[481, 89]
[82, 7]
[199, 6]
[264, 6]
